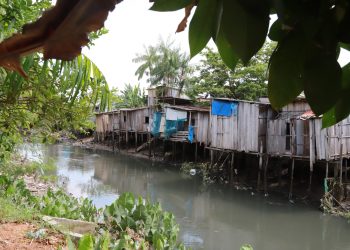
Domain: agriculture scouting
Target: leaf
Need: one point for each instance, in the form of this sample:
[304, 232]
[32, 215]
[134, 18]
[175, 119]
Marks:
[203, 25]
[86, 243]
[70, 244]
[245, 27]
[127, 200]
[60, 32]
[322, 82]
[246, 247]
[342, 108]
[169, 5]
[285, 70]
[226, 52]
[183, 24]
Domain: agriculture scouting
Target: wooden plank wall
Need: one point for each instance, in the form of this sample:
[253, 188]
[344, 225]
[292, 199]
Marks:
[135, 120]
[102, 122]
[276, 137]
[239, 132]
[328, 148]
[202, 134]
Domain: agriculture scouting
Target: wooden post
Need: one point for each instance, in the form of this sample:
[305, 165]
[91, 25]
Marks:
[135, 141]
[232, 167]
[149, 145]
[113, 131]
[265, 174]
[341, 154]
[211, 157]
[327, 169]
[346, 170]
[260, 168]
[183, 151]
[174, 150]
[311, 156]
[291, 180]
[196, 153]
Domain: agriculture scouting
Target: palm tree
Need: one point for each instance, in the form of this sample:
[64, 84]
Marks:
[164, 64]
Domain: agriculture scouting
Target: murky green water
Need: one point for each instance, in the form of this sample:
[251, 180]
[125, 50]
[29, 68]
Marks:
[214, 217]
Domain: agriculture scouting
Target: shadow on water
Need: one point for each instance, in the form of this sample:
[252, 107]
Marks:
[210, 217]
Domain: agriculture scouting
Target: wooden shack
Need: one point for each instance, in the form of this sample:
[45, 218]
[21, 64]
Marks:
[297, 132]
[166, 94]
[237, 125]
[177, 121]
[122, 124]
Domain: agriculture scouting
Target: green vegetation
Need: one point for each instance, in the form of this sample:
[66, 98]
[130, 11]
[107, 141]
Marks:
[309, 36]
[56, 96]
[215, 79]
[127, 223]
[11, 212]
[163, 64]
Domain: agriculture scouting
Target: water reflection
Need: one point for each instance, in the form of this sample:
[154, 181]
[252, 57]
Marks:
[210, 218]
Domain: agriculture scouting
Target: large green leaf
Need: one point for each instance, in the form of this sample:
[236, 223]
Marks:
[86, 243]
[203, 25]
[226, 52]
[322, 82]
[170, 5]
[341, 109]
[285, 71]
[244, 26]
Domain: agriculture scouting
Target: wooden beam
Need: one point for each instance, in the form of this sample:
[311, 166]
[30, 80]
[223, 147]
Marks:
[291, 180]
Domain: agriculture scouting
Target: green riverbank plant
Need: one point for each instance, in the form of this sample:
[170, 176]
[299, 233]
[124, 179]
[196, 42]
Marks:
[126, 224]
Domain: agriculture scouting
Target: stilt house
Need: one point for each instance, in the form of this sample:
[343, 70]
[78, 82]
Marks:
[238, 125]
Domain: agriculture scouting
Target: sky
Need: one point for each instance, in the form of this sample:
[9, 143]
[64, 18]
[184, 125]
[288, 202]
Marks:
[131, 27]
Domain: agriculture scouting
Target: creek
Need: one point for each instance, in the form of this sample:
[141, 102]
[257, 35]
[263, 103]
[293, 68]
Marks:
[210, 217]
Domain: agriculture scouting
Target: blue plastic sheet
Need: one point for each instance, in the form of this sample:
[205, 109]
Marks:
[190, 133]
[171, 127]
[157, 116]
[224, 108]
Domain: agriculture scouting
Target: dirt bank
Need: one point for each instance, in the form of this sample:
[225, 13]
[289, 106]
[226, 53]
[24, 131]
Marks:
[20, 236]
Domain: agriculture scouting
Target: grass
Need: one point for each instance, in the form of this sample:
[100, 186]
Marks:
[10, 212]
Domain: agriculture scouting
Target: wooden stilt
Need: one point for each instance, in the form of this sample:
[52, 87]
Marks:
[149, 145]
[135, 141]
[196, 153]
[279, 174]
[211, 157]
[346, 170]
[265, 174]
[310, 181]
[183, 151]
[175, 151]
[232, 167]
[113, 141]
[291, 180]
[260, 169]
[336, 169]
[327, 169]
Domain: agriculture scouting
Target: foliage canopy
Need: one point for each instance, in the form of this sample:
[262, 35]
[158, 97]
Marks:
[309, 35]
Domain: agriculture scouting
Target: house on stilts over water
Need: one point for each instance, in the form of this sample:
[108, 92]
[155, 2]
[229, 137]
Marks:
[171, 125]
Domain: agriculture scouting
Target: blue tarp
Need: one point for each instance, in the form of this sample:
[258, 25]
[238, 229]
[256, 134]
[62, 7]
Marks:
[224, 108]
[171, 127]
[190, 133]
[157, 116]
